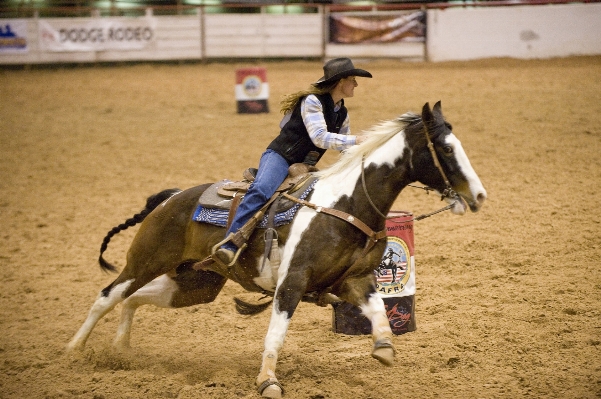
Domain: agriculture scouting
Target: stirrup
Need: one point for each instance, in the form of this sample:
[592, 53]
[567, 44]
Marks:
[220, 243]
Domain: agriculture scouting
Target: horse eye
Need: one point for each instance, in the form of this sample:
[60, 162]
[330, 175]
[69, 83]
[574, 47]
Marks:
[447, 149]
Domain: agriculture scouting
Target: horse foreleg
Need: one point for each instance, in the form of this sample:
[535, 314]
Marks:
[159, 292]
[286, 300]
[105, 302]
[360, 291]
[375, 311]
[266, 381]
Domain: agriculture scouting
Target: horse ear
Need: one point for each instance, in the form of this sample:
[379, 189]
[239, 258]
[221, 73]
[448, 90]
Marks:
[427, 113]
[437, 108]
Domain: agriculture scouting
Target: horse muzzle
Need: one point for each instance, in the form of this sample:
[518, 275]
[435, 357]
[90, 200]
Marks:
[476, 203]
[461, 203]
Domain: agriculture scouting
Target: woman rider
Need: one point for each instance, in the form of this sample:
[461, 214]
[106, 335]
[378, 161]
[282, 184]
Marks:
[314, 120]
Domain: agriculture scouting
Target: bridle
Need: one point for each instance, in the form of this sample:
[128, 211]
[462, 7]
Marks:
[447, 193]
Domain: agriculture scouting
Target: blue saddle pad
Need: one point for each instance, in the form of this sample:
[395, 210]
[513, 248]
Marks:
[218, 217]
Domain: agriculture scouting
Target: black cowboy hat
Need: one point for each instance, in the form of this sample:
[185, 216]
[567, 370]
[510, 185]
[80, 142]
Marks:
[337, 69]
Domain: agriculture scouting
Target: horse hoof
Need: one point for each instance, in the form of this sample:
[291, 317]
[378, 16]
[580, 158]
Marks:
[272, 391]
[271, 388]
[384, 352]
[384, 355]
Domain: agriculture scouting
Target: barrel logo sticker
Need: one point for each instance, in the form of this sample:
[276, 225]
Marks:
[395, 268]
[252, 85]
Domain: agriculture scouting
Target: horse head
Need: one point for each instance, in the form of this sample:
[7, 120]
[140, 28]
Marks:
[442, 164]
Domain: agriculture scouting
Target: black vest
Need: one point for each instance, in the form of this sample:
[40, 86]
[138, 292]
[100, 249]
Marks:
[294, 143]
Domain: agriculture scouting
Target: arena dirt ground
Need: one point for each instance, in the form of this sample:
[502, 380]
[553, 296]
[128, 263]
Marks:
[508, 302]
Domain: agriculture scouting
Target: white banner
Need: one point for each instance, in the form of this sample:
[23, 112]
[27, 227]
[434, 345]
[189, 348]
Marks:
[13, 36]
[97, 34]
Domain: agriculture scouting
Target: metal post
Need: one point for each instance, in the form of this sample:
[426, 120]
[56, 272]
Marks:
[201, 16]
[425, 10]
[325, 33]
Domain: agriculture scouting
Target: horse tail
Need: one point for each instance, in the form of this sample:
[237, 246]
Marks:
[250, 309]
[151, 203]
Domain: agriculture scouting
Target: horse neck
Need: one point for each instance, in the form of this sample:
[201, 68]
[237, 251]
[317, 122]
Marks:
[385, 173]
[385, 168]
[383, 184]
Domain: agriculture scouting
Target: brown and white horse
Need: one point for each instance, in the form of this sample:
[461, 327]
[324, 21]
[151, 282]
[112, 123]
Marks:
[320, 254]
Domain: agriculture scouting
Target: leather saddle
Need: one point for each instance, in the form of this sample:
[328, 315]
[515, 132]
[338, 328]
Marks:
[225, 194]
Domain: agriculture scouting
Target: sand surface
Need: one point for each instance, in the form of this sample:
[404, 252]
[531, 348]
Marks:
[508, 302]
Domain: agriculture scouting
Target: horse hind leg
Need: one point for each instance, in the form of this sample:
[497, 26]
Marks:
[105, 302]
[158, 292]
[186, 288]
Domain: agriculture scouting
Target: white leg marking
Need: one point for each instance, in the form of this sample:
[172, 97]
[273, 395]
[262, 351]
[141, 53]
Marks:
[158, 292]
[274, 340]
[375, 311]
[101, 306]
[278, 327]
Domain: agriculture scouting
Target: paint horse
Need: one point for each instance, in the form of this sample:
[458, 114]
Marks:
[329, 250]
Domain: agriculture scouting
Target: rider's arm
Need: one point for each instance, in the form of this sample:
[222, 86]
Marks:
[312, 114]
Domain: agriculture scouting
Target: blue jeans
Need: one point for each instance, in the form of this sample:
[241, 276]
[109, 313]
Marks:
[273, 169]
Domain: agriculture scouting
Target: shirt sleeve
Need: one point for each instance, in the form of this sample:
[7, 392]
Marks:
[312, 114]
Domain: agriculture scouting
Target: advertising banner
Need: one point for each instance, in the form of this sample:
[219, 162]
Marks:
[397, 27]
[13, 36]
[97, 34]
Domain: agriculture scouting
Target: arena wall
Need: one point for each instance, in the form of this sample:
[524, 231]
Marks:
[519, 32]
[263, 35]
[453, 33]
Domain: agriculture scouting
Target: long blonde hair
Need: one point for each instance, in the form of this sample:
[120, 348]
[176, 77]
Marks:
[289, 101]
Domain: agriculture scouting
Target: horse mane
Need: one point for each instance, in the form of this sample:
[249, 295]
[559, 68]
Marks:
[377, 136]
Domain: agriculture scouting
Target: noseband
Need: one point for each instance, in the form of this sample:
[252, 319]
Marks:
[447, 193]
